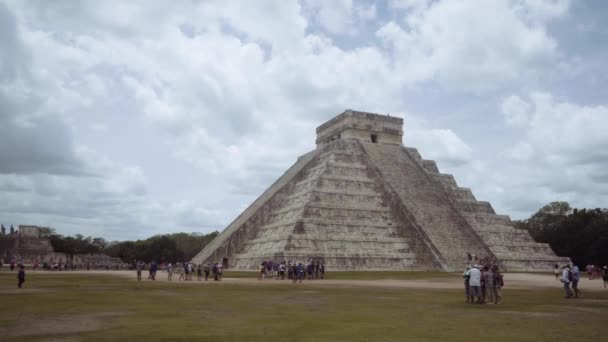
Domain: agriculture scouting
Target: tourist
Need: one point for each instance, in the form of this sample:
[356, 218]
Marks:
[181, 270]
[589, 269]
[294, 272]
[576, 276]
[322, 271]
[206, 269]
[153, 268]
[289, 270]
[310, 270]
[317, 270]
[275, 270]
[466, 277]
[262, 271]
[566, 279]
[475, 284]
[489, 285]
[215, 270]
[199, 272]
[483, 283]
[138, 267]
[186, 271]
[282, 271]
[12, 265]
[556, 271]
[301, 271]
[605, 275]
[498, 284]
[21, 276]
[169, 271]
[220, 271]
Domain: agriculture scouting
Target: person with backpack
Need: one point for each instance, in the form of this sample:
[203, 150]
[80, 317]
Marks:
[567, 279]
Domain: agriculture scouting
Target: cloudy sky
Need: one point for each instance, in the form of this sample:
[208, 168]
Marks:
[125, 119]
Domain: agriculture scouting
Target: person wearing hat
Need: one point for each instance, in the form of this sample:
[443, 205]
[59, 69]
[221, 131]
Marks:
[566, 279]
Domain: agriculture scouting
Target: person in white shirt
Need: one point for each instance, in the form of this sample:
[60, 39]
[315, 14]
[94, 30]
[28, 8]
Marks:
[566, 280]
[474, 283]
[169, 271]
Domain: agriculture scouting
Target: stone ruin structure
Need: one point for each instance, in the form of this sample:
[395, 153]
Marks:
[363, 201]
[25, 244]
[28, 246]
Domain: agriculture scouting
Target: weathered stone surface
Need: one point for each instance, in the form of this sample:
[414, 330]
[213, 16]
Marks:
[362, 200]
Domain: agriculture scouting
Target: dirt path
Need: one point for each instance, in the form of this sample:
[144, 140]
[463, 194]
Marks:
[512, 280]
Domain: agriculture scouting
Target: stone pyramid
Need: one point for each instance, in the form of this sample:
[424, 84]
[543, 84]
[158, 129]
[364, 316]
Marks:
[363, 201]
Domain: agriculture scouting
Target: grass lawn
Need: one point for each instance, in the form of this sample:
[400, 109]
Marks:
[105, 308]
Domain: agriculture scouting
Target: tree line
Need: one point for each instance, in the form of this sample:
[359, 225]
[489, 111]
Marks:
[581, 234]
[168, 247]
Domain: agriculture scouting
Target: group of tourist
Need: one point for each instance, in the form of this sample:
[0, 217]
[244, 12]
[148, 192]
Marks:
[570, 277]
[597, 272]
[483, 284]
[296, 271]
[186, 270]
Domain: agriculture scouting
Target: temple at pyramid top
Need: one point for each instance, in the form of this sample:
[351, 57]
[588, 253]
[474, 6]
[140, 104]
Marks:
[369, 127]
[363, 201]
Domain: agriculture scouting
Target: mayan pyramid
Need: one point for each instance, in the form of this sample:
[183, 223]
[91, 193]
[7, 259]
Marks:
[363, 201]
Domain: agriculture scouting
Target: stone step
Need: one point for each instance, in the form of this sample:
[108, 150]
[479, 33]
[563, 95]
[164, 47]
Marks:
[430, 166]
[474, 206]
[485, 218]
[346, 184]
[447, 181]
[462, 194]
[376, 216]
[362, 239]
[352, 225]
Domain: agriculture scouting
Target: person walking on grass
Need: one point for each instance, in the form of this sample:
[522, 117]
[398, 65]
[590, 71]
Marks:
[566, 279]
[181, 272]
[556, 272]
[576, 276]
[199, 272]
[605, 275]
[20, 276]
[169, 272]
[475, 284]
[138, 267]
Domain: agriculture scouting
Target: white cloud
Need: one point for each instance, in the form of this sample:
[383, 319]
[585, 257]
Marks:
[515, 110]
[489, 44]
[336, 17]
